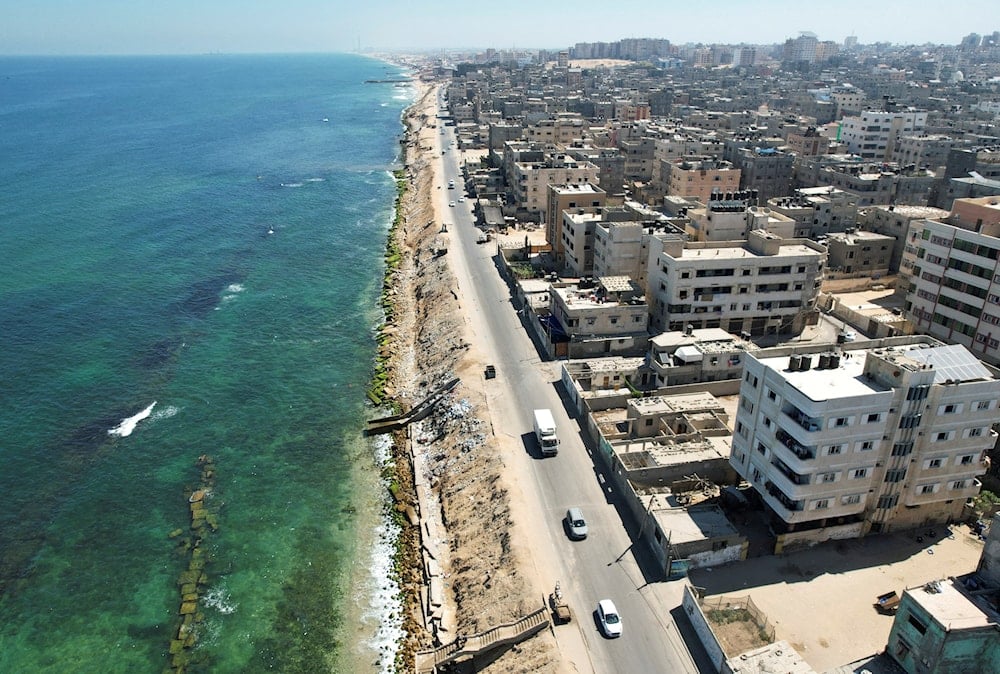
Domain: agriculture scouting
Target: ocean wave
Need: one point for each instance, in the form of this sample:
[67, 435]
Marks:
[292, 184]
[219, 599]
[315, 180]
[165, 413]
[125, 428]
[383, 597]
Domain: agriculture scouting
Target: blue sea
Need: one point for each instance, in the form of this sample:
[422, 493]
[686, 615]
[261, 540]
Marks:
[191, 254]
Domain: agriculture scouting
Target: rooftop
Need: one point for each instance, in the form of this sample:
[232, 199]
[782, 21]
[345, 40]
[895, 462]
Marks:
[948, 605]
[847, 380]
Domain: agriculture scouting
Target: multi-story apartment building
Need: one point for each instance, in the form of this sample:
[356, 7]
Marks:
[818, 211]
[528, 187]
[953, 273]
[895, 221]
[699, 178]
[728, 217]
[765, 169]
[925, 150]
[765, 284]
[610, 240]
[874, 134]
[858, 254]
[565, 197]
[880, 437]
[808, 143]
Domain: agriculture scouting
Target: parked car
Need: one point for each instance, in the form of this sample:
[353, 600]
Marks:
[575, 524]
[611, 622]
[848, 336]
[451, 203]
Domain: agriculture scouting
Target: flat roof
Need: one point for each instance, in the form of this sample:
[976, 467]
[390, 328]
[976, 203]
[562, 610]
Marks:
[948, 605]
[844, 381]
[695, 523]
[737, 252]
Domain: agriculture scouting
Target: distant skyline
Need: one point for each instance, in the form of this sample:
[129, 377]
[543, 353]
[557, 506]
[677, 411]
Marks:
[65, 27]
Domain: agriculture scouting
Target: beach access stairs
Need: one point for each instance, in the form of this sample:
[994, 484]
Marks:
[464, 648]
[419, 411]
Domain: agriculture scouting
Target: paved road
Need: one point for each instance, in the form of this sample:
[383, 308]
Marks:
[603, 566]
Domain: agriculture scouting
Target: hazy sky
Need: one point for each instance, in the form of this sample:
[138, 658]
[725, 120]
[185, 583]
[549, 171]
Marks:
[197, 26]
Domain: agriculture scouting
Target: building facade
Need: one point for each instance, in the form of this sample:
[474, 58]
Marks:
[865, 439]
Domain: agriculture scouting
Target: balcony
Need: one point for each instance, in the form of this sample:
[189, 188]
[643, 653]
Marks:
[807, 423]
[786, 508]
[803, 452]
[792, 476]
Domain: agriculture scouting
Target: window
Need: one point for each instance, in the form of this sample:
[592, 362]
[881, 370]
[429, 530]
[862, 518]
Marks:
[771, 395]
[966, 460]
[942, 436]
[851, 500]
[867, 445]
[649, 422]
[828, 477]
[859, 473]
[935, 463]
[896, 475]
[958, 484]
[834, 449]
[975, 432]
[822, 504]
[767, 422]
[873, 418]
[840, 422]
[927, 489]
[917, 624]
[983, 405]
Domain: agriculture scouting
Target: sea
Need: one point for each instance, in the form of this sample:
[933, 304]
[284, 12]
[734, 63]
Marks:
[191, 257]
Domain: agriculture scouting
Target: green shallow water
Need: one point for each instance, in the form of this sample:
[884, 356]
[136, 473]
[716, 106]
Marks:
[189, 231]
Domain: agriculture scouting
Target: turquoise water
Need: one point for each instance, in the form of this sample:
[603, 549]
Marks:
[189, 232]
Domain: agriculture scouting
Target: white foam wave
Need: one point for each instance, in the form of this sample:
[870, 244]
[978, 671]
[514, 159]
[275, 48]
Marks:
[165, 413]
[315, 180]
[219, 599]
[125, 428]
[383, 105]
[383, 595]
[291, 184]
[234, 288]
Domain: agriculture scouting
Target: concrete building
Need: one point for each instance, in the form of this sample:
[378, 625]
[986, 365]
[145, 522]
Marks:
[763, 285]
[858, 254]
[874, 134]
[875, 437]
[925, 150]
[564, 197]
[953, 273]
[730, 217]
[692, 356]
[818, 211]
[808, 143]
[895, 221]
[699, 178]
[610, 317]
[767, 170]
[946, 626]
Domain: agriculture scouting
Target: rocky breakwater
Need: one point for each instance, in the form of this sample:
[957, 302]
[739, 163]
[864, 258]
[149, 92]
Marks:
[193, 580]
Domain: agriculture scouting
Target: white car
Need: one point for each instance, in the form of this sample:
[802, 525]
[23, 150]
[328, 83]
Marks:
[451, 203]
[461, 200]
[611, 622]
[848, 336]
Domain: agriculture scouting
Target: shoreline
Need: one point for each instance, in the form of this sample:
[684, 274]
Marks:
[458, 568]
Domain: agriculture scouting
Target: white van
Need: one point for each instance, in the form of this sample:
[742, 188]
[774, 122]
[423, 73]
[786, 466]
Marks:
[545, 433]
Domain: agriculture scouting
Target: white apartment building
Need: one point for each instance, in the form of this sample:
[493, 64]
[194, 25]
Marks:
[874, 134]
[888, 435]
[764, 285]
[953, 273]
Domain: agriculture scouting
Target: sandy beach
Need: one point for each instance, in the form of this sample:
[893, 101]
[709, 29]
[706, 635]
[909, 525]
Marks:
[464, 512]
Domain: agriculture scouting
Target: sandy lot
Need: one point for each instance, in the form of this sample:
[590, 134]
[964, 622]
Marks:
[821, 600]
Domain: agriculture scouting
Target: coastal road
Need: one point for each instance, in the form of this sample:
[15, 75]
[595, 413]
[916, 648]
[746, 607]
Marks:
[603, 565]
